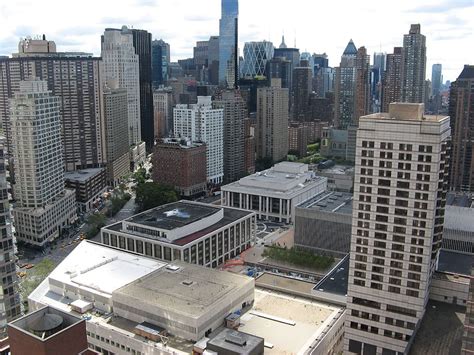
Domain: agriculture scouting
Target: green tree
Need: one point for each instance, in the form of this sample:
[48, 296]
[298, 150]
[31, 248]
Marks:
[94, 223]
[152, 194]
[140, 175]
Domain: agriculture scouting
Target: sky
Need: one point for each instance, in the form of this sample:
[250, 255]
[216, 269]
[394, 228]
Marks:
[316, 26]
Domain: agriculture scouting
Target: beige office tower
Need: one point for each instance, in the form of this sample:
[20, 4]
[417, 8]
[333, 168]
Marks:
[43, 206]
[121, 65]
[397, 226]
[116, 134]
[271, 131]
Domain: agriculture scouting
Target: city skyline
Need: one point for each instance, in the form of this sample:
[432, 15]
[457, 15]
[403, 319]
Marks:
[446, 26]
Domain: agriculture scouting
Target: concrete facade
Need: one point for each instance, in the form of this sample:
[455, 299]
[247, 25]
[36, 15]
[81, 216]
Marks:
[68, 75]
[222, 235]
[271, 132]
[201, 122]
[397, 226]
[43, 205]
[121, 64]
[274, 193]
[116, 135]
[89, 185]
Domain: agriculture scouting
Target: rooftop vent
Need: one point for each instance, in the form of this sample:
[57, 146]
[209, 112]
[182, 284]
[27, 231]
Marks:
[187, 282]
[236, 339]
[172, 267]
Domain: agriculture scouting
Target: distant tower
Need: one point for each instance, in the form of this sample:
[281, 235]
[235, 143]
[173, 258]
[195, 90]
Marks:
[302, 88]
[116, 134]
[121, 64]
[228, 43]
[397, 226]
[345, 87]
[142, 45]
[413, 66]
[461, 111]
[391, 89]
[160, 59]
[256, 56]
[43, 206]
[436, 79]
[271, 131]
[235, 111]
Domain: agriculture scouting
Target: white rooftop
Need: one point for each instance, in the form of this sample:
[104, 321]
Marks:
[285, 180]
[459, 218]
[291, 324]
[95, 269]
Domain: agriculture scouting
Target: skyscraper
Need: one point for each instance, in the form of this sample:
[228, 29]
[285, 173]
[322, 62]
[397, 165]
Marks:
[413, 66]
[461, 111]
[256, 56]
[202, 123]
[302, 88]
[397, 226]
[362, 85]
[142, 45]
[235, 111]
[121, 64]
[279, 68]
[75, 77]
[344, 88]
[291, 54]
[160, 59]
[271, 131]
[436, 79]
[163, 107]
[228, 43]
[10, 301]
[116, 134]
[391, 89]
[43, 206]
[376, 78]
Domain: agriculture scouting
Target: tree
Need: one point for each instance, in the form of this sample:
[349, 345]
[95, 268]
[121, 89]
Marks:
[152, 194]
[94, 223]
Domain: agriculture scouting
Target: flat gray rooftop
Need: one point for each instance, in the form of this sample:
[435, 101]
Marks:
[459, 200]
[330, 201]
[173, 215]
[457, 263]
[336, 281]
[191, 289]
[82, 175]
[441, 330]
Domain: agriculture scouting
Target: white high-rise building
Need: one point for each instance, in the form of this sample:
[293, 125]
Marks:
[397, 226]
[43, 205]
[121, 65]
[200, 122]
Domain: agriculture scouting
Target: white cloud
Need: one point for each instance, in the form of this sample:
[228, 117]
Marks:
[319, 26]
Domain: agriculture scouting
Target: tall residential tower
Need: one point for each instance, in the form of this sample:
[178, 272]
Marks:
[43, 206]
[397, 226]
[413, 66]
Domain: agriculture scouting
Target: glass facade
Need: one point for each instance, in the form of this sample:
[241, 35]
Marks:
[227, 42]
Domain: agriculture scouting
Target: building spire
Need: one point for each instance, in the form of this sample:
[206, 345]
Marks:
[283, 44]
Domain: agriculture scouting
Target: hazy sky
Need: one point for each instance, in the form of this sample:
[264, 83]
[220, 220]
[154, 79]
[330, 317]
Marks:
[318, 26]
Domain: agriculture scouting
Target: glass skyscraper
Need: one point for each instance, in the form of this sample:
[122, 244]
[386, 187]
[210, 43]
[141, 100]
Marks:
[228, 43]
